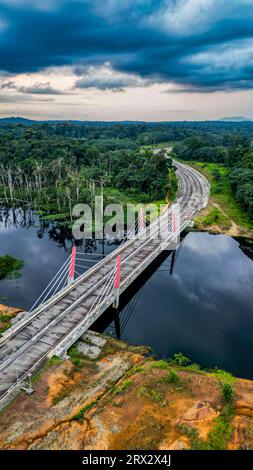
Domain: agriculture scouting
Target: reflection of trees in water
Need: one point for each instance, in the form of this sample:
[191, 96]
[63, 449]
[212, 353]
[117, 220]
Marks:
[246, 245]
[60, 234]
[89, 246]
[17, 217]
[24, 217]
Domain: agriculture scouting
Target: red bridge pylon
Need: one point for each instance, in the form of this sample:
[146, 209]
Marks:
[72, 266]
[117, 281]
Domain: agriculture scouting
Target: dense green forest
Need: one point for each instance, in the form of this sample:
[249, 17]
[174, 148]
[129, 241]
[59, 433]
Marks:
[57, 164]
[234, 150]
[55, 168]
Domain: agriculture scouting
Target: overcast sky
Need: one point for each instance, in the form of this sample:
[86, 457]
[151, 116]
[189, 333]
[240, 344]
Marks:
[126, 59]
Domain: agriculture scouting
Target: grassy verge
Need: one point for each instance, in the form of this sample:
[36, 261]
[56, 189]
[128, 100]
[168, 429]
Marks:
[81, 414]
[5, 323]
[6, 317]
[214, 217]
[54, 217]
[222, 194]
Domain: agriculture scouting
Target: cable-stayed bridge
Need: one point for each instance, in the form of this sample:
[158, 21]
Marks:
[71, 303]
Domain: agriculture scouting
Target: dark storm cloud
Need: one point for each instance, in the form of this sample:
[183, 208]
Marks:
[36, 89]
[177, 41]
[103, 84]
[104, 78]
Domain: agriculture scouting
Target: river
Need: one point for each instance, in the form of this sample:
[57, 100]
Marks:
[202, 309]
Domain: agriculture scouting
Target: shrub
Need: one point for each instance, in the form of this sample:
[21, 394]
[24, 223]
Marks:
[163, 365]
[181, 360]
[10, 267]
[134, 370]
[80, 415]
[122, 387]
[151, 393]
[5, 318]
[172, 377]
[223, 376]
[227, 392]
[219, 436]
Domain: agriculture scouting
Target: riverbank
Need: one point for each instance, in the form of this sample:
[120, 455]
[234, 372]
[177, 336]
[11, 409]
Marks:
[110, 395]
[223, 215]
[6, 316]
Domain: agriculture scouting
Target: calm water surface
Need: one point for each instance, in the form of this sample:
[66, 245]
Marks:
[203, 309]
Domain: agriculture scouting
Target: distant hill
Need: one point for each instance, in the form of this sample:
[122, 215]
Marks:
[24, 121]
[30, 122]
[235, 119]
[16, 120]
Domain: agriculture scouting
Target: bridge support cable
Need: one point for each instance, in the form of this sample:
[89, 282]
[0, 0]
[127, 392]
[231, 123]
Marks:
[83, 266]
[81, 261]
[81, 258]
[62, 282]
[59, 279]
[87, 260]
[44, 294]
[117, 282]
[131, 232]
[118, 263]
[155, 232]
[85, 254]
[155, 227]
[106, 289]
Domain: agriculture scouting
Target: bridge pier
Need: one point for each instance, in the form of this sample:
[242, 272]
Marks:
[26, 385]
[173, 260]
[116, 303]
[175, 254]
[63, 356]
[117, 325]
